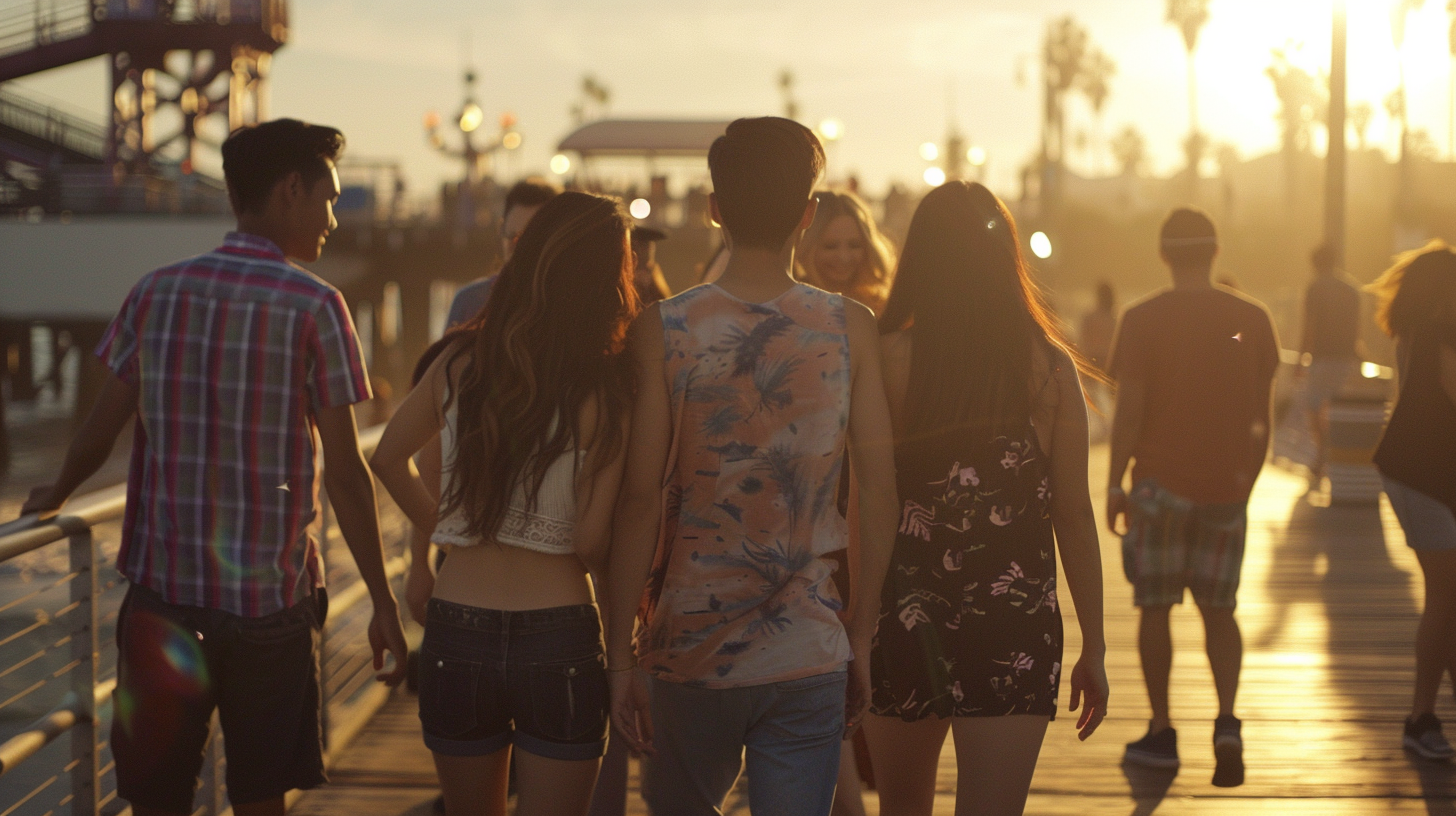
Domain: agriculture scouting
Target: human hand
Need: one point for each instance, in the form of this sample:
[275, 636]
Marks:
[42, 501]
[1117, 506]
[857, 684]
[631, 709]
[386, 634]
[1089, 691]
[419, 587]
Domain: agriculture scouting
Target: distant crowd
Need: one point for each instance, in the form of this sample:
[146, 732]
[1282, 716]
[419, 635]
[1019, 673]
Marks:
[800, 521]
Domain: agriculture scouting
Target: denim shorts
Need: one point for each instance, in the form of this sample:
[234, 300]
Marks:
[1173, 544]
[1428, 523]
[177, 664]
[536, 678]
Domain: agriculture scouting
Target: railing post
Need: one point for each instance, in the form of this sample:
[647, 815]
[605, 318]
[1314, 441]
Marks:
[85, 651]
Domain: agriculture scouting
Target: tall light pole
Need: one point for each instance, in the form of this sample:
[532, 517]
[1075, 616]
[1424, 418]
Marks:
[1335, 158]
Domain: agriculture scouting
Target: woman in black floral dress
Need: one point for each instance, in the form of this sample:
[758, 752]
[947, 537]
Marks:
[991, 452]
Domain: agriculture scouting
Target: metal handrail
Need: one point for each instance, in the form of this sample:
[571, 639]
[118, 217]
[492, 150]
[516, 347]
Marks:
[52, 124]
[76, 713]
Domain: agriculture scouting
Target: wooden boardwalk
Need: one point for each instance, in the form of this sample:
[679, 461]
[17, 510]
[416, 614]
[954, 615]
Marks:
[1328, 605]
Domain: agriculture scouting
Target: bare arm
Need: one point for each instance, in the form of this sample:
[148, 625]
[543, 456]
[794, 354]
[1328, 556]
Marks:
[598, 485]
[636, 528]
[1076, 531]
[115, 405]
[1127, 428]
[351, 491]
[872, 454]
[413, 425]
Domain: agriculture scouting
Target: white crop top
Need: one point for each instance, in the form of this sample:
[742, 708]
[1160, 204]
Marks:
[546, 529]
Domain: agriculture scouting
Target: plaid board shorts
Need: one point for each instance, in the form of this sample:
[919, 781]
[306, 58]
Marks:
[1172, 544]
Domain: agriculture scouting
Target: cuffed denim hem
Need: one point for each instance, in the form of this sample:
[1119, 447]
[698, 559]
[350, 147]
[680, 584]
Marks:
[568, 751]
[468, 748]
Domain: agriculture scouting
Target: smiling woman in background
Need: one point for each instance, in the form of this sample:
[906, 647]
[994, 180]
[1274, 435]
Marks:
[843, 251]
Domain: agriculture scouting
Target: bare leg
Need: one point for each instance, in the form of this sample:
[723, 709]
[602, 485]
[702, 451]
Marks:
[474, 786]
[848, 800]
[1155, 648]
[905, 756]
[1225, 646]
[995, 760]
[609, 798]
[1319, 420]
[554, 787]
[1436, 635]
[268, 807]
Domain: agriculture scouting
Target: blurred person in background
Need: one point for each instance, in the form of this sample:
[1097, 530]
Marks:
[646, 273]
[1094, 339]
[523, 201]
[1194, 366]
[843, 251]
[530, 480]
[1330, 344]
[1417, 460]
[991, 459]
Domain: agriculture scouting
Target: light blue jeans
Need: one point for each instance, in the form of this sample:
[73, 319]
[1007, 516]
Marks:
[790, 733]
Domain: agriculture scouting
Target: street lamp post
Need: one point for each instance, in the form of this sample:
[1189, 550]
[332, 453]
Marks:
[467, 121]
[1335, 158]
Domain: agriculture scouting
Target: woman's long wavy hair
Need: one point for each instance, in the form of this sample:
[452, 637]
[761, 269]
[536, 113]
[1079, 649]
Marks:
[967, 296]
[872, 285]
[549, 340]
[1417, 291]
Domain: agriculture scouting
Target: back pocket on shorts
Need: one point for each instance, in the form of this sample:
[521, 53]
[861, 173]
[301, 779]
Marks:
[569, 699]
[449, 690]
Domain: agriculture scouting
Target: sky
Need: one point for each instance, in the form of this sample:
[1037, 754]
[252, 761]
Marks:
[895, 74]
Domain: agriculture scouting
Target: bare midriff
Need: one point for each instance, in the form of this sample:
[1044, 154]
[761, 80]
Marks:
[495, 576]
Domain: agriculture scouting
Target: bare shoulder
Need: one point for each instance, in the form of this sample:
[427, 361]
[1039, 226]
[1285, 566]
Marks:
[1054, 375]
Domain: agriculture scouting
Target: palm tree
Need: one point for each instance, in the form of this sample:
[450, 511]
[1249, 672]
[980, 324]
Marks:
[1189, 17]
[1360, 115]
[1130, 150]
[1399, 13]
[1451, 113]
[1095, 83]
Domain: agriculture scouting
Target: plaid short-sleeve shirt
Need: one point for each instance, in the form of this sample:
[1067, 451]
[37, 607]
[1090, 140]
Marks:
[232, 353]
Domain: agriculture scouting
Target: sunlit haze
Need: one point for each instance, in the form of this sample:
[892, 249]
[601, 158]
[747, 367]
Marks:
[375, 68]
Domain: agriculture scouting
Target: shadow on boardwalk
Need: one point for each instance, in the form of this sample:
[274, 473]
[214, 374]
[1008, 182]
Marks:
[1328, 606]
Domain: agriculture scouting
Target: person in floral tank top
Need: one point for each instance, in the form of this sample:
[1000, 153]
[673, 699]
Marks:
[750, 390]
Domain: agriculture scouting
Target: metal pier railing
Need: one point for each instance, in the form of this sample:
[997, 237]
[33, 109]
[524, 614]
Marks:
[59, 595]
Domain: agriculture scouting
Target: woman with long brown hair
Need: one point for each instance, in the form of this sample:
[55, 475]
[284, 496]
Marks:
[1417, 460]
[991, 456]
[531, 405]
[844, 252]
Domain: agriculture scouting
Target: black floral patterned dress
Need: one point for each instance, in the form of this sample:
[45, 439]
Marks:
[969, 625]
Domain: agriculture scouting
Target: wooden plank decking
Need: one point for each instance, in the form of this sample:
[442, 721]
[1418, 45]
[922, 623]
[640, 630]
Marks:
[1328, 605]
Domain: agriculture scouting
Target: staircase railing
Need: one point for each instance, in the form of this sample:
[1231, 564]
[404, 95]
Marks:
[56, 126]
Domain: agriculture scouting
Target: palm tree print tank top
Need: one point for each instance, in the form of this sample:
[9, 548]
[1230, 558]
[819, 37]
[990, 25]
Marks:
[740, 594]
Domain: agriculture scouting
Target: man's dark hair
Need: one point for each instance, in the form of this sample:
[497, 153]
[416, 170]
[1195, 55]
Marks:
[763, 172]
[257, 157]
[1188, 239]
[531, 192]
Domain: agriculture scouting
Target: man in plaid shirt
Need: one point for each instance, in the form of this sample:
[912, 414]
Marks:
[240, 368]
